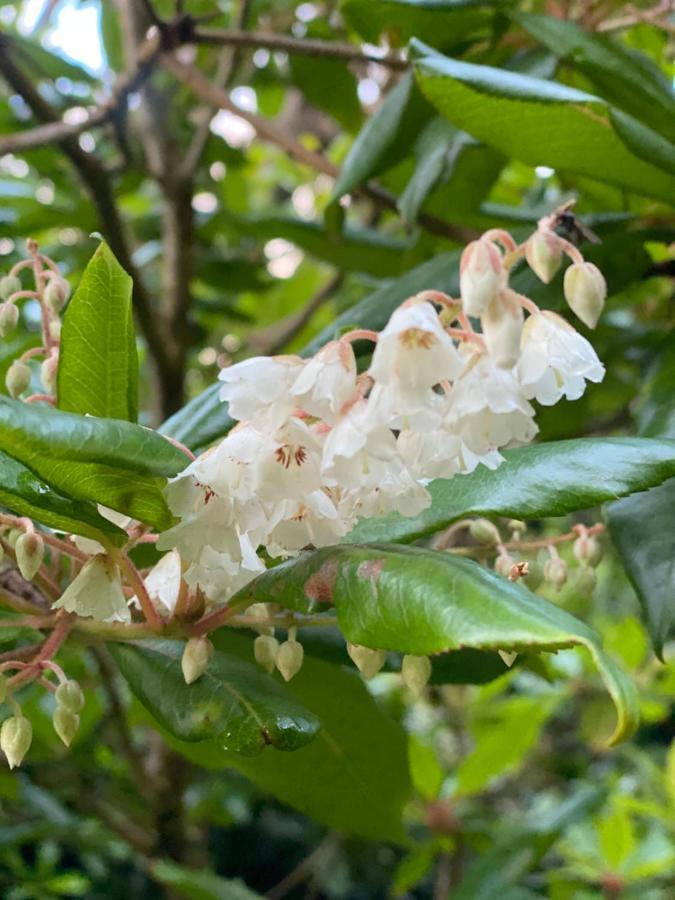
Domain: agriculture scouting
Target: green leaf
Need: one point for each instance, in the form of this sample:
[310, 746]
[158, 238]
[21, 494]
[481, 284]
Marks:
[98, 363]
[423, 602]
[444, 22]
[200, 884]
[205, 419]
[353, 777]
[24, 494]
[542, 122]
[627, 79]
[551, 479]
[233, 703]
[328, 84]
[431, 153]
[107, 461]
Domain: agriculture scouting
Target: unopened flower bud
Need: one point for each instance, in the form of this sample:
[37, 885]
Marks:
[66, 722]
[265, 650]
[502, 324]
[415, 672]
[13, 536]
[585, 581]
[17, 379]
[16, 735]
[198, 651]
[481, 276]
[367, 661]
[9, 318]
[503, 564]
[587, 550]
[555, 572]
[508, 657]
[483, 531]
[9, 285]
[55, 329]
[517, 528]
[57, 293]
[289, 659]
[30, 551]
[69, 695]
[585, 292]
[535, 575]
[543, 252]
[49, 371]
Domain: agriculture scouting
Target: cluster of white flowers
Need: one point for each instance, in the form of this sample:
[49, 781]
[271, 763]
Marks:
[319, 446]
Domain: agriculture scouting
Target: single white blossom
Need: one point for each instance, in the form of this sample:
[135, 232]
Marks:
[258, 390]
[96, 592]
[327, 382]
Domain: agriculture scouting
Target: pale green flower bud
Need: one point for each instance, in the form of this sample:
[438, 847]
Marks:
[16, 735]
[57, 293]
[49, 371]
[69, 695]
[30, 551]
[416, 671]
[289, 659]
[585, 581]
[66, 722]
[483, 531]
[543, 253]
[555, 572]
[266, 650]
[13, 536]
[585, 292]
[17, 379]
[198, 651]
[587, 550]
[9, 285]
[9, 318]
[508, 657]
[55, 329]
[367, 661]
[535, 575]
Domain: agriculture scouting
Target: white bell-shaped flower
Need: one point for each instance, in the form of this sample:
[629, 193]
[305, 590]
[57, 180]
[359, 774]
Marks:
[502, 325]
[164, 581]
[481, 276]
[219, 575]
[96, 592]
[555, 360]
[288, 465]
[258, 389]
[436, 454]
[327, 382]
[312, 521]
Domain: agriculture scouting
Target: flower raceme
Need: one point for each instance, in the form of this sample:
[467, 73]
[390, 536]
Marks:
[318, 446]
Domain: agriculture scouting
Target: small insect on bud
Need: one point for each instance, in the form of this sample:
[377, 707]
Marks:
[483, 531]
[9, 285]
[17, 379]
[543, 253]
[481, 276]
[585, 581]
[49, 371]
[503, 564]
[66, 723]
[415, 672]
[289, 659]
[69, 695]
[16, 735]
[585, 292]
[198, 651]
[30, 551]
[518, 570]
[367, 661]
[266, 650]
[555, 572]
[9, 318]
[57, 293]
[587, 550]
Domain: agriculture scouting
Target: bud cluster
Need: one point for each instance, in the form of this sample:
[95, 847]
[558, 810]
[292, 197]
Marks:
[318, 446]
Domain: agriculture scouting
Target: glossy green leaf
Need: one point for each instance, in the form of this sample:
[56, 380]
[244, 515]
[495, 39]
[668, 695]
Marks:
[24, 494]
[107, 461]
[444, 22]
[550, 479]
[424, 602]
[98, 363]
[353, 777]
[626, 79]
[544, 122]
[233, 703]
[431, 153]
[200, 884]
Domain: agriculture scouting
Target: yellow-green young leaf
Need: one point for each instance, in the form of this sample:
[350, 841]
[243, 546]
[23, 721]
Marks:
[118, 464]
[232, 703]
[98, 363]
[616, 836]
[24, 494]
[423, 602]
[425, 770]
[544, 122]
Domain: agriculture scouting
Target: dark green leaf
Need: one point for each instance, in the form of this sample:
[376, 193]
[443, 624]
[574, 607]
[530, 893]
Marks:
[107, 461]
[443, 22]
[24, 494]
[98, 363]
[329, 85]
[233, 703]
[542, 122]
[353, 777]
[423, 602]
[539, 480]
[431, 153]
[200, 884]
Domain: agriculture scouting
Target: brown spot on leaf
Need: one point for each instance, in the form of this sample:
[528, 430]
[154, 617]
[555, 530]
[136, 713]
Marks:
[267, 738]
[370, 569]
[319, 586]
